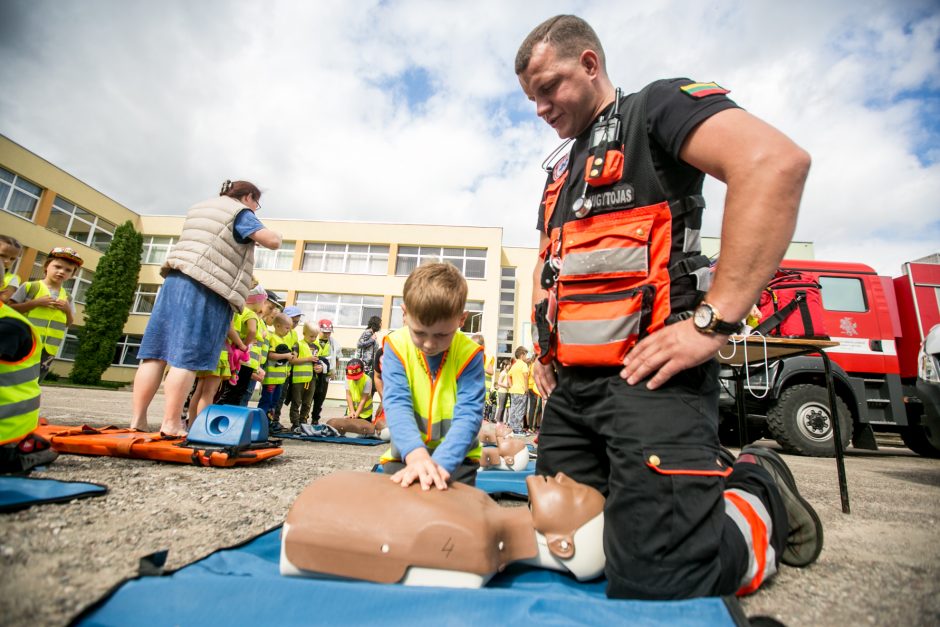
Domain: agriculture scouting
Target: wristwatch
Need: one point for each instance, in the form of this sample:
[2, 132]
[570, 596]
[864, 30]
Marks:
[707, 320]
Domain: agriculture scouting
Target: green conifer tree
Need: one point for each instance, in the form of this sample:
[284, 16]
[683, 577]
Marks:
[108, 304]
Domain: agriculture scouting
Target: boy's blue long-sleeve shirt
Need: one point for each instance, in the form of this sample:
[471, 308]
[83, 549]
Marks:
[399, 411]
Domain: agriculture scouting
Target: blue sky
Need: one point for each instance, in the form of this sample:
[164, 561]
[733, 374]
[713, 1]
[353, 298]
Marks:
[156, 108]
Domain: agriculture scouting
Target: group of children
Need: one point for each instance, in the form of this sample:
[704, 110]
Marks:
[514, 387]
[34, 317]
[432, 376]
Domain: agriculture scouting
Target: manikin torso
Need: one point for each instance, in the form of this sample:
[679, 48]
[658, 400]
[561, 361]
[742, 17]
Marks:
[457, 537]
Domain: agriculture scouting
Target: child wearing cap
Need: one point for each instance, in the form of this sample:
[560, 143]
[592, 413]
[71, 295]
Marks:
[292, 339]
[47, 305]
[10, 251]
[279, 361]
[247, 332]
[433, 384]
[326, 349]
[358, 390]
[303, 384]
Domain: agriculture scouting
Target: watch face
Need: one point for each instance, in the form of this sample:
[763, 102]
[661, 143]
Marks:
[702, 316]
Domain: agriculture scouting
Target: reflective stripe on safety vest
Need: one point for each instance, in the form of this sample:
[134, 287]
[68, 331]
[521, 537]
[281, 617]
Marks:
[50, 324]
[433, 399]
[19, 387]
[303, 372]
[356, 389]
[275, 373]
[241, 325]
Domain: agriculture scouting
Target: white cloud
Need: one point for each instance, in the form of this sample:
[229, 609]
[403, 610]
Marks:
[156, 108]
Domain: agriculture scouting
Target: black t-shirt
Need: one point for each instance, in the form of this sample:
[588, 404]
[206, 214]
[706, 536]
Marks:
[671, 116]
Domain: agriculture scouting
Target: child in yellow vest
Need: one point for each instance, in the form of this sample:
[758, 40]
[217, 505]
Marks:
[247, 332]
[303, 383]
[433, 384]
[358, 390]
[279, 361]
[10, 251]
[47, 305]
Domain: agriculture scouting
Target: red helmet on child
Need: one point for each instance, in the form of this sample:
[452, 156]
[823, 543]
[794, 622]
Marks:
[326, 326]
[69, 254]
[355, 369]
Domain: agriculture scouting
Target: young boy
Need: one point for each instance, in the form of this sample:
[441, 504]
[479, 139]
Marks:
[518, 392]
[279, 361]
[10, 251]
[47, 305]
[302, 383]
[358, 390]
[433, 384]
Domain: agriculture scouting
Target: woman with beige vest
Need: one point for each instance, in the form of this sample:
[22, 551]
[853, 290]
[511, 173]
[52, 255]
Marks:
[207, 276]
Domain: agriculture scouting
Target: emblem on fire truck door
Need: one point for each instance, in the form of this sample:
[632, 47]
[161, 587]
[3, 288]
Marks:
[848, 326]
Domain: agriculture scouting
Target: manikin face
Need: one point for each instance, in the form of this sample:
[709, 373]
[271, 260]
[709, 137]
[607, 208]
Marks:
[433, 339]
[562, 89]
[60, 270]
[561, 486]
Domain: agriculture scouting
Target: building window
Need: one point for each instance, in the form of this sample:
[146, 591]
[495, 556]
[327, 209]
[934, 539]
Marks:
[80, 225]
[345, 258]
[156, 249]
[125, 353]
[78, 285]
[18, 196]
[69, 347]
[144, 298]
[38, 272]
[281, 259]
[473, 323]
[470, 261]
[507, 313]
[343, 310]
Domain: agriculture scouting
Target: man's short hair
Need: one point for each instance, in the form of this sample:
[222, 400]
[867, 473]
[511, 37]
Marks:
[435, 292]
[568, 34]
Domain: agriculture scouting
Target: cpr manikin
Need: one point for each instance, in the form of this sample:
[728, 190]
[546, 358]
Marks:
[509, 454]
[457, 537]
[357, 427]
[490, 432]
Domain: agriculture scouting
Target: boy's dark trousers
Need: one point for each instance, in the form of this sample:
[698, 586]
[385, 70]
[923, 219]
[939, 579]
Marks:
[323, 383]
[232, 394]
[301, 401]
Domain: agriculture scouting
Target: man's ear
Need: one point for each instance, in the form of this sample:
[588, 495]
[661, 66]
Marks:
[590, 62]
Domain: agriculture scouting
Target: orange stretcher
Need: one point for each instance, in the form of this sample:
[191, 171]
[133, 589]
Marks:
[118, 442]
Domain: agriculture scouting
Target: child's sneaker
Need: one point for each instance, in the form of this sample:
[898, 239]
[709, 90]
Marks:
[23, 456]
[804, 529]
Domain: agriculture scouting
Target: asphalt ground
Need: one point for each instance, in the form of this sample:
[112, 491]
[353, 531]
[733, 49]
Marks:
[879, 566]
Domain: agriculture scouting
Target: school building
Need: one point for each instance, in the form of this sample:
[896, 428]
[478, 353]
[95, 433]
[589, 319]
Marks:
[343, 271]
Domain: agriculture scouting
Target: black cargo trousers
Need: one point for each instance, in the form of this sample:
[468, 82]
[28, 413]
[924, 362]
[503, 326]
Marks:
[654, 454]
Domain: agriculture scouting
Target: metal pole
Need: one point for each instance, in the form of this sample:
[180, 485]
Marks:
[836, 434]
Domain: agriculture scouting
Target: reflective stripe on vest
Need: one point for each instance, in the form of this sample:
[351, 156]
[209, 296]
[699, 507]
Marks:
[434, 399]
[19, 387]
[254, 351]
[275, 373]
[303, 372]
[356, 389]
[50, 324]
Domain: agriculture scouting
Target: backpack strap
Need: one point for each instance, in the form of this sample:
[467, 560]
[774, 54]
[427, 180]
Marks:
[773, 321]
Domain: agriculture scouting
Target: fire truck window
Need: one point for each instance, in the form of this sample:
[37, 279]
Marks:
[841, 294]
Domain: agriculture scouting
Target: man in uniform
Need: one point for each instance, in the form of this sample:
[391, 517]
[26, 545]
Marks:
[628, 325]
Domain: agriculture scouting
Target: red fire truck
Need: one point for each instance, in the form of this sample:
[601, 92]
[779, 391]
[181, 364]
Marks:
[880, 324]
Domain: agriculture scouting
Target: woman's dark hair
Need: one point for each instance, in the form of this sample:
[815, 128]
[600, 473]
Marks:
[240, 189]
[375, 323]
[12, 241]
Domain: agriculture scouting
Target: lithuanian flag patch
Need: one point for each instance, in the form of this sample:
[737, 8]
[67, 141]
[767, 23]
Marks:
[700, 90]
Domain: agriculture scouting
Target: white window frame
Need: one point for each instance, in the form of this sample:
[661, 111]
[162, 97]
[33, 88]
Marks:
[77, 284]
[316, 255]
[15, 188]
[123, 345]
[438, 254]
[473, 324]
[319, 305]
[267, 259]
[144, 289]
[69, 210]
[156, 242]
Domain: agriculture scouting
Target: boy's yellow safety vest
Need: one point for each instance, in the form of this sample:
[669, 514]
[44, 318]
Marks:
[7, 279]
[50, 324]
[303, 372]
[19, 387]
[356, 389]
[276, 374]
[488, 361]
[254, 351]
[434, 399]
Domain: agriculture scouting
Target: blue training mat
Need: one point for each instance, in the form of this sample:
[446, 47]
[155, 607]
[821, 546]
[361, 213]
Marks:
[332, 438]
[506, 482]
[21, 492]
[242, 586]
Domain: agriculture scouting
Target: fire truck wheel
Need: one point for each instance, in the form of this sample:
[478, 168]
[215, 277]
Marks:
[799, 420]
[916, 439]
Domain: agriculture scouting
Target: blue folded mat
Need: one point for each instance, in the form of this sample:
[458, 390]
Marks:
[21, 492]
[332, 438]
[505, 482]
[242, 586]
